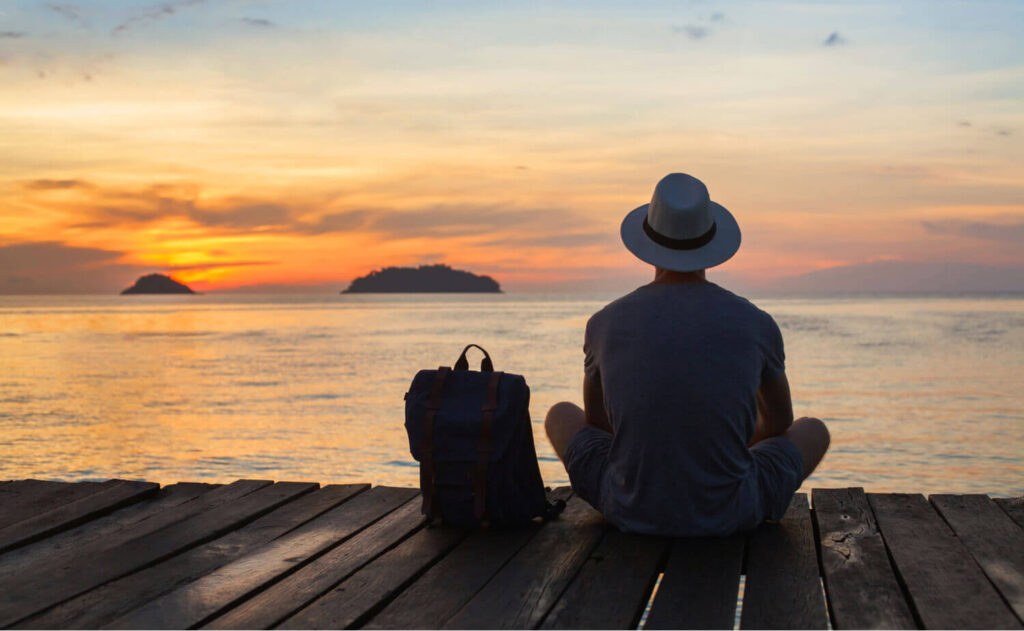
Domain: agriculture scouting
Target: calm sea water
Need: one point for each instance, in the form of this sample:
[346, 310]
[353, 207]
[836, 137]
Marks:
[921, 394]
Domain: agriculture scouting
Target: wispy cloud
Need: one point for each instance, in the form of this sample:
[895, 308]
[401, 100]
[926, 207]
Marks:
[12, 34]
[54, 185]
[245, 216]
[834, 39]
[70, 11]
[692, 31]
[1013, 232]
[258, 22]
[154, 13]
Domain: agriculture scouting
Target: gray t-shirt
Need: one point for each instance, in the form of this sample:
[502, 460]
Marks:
[680, 365]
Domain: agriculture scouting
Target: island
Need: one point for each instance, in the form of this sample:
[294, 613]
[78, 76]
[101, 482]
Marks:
[157, 284]
[423, 279]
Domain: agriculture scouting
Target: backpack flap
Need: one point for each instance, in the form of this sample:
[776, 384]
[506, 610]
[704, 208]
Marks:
[457, 422]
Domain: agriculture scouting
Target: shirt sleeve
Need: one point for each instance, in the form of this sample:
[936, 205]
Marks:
[774, 353]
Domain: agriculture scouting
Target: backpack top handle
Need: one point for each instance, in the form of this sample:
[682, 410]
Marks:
[485, 364]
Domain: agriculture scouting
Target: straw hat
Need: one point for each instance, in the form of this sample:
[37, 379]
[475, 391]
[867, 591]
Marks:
[681, 229]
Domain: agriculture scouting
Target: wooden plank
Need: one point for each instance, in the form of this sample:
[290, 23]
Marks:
[446, 587]
[947, 588]
[171, 504]
[47, 586]
[525, 589]
[64, 547]
[269, 607]
[783, 589]
[700, 584]
[96, 607]
[111, 496]
[992, 538]
[27, 498]
[613, 586]
[860, 583]
[197, 602]
[1014, 507]
[360, 595]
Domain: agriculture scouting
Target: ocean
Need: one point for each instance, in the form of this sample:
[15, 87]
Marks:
[921, 394]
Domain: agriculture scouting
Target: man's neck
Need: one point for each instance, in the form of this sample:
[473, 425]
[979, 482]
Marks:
[667, 276]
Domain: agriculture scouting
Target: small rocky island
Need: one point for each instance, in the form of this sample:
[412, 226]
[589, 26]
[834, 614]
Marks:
[157, 284]
[422, 279]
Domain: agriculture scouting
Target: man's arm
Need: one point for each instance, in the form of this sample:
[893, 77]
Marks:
[593, 405]
[774, 409]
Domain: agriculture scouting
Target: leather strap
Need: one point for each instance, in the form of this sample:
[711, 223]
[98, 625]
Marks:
[427, 446]
[485, 446]
[486, 365]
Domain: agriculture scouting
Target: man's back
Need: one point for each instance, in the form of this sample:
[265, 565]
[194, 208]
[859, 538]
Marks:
[679, 365]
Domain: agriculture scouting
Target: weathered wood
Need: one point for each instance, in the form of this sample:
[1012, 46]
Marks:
[269, 607]
[860, 583]
[50, 585]
[67, 546]
[525, 589]
[358, 596]
[992, 538]
[109, 497]
[783, 589]
[96, 607]
[199, 601]
[612, 588]
[947, 588]
[447, 586]
[700, 585]
[28, 498]
[1014, 507]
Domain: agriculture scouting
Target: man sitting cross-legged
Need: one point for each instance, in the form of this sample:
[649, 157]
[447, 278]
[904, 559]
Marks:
[687, 427]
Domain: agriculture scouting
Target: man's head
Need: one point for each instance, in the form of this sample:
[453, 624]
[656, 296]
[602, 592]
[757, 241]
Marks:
[681, 230]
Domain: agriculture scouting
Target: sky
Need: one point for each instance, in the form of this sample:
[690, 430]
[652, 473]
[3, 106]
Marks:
[261, 143]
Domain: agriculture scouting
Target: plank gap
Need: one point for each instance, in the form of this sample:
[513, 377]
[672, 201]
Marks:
[295, 568]
[739, 601]
[650, 601]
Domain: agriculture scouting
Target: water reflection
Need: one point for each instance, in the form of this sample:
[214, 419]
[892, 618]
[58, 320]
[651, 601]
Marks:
[922, 394]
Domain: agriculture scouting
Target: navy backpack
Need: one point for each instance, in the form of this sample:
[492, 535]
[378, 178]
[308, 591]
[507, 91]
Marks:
[471, 433]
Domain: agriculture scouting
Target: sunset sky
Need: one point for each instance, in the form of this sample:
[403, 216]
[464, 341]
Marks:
[244, 142]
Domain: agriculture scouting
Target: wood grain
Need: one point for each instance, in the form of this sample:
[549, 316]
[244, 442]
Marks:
[700, 584]
[613, 586]
[863, 592]
[103, 604]
[271, 606]
[366, 591]
[992, 538]
[1014, 507]
[49, 585]
[525, 589]
[783, 589]
[27, 498]
[947, 588]
[197, 602]
[106, 498]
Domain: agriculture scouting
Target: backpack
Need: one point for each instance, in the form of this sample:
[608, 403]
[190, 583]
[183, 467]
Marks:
[471, 433]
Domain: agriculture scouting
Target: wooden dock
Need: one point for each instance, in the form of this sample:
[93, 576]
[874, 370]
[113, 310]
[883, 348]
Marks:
[255, 554]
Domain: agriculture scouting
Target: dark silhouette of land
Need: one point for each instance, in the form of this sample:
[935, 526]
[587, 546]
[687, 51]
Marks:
[422, 279]
[157, 284]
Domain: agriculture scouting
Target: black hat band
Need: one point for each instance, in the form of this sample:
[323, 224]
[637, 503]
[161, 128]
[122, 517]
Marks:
[680, 244]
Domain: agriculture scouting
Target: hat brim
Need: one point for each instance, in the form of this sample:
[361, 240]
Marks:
[717, 251]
